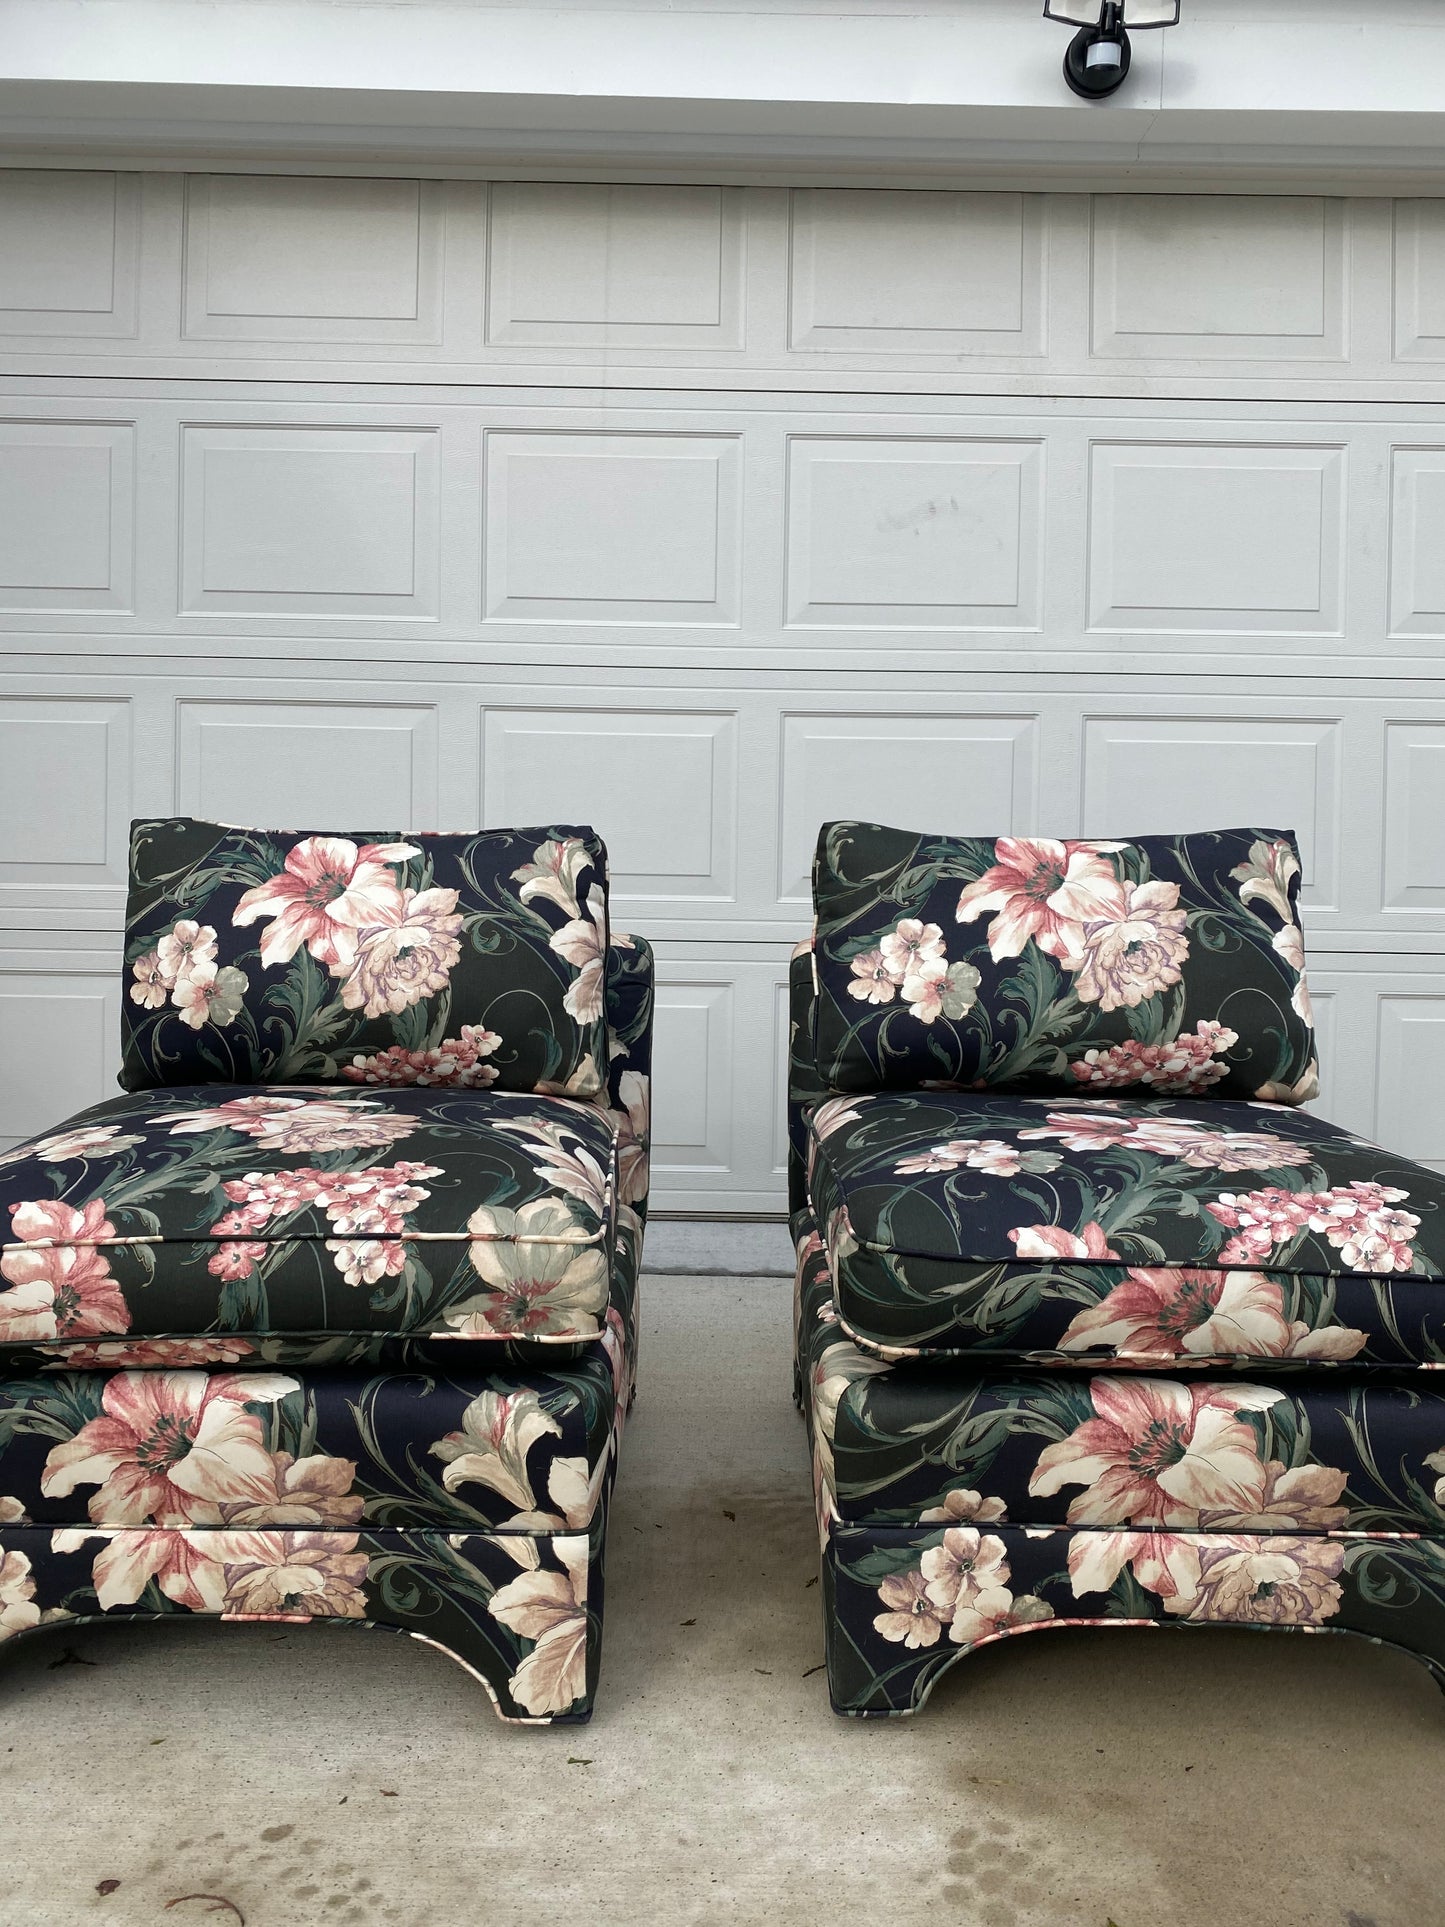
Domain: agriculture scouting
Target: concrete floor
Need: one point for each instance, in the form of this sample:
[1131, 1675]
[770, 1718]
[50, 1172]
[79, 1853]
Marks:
[715, 1248]
[291, 1778]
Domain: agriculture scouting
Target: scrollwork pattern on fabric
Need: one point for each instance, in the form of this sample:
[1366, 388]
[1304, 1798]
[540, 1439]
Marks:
[1168, 966]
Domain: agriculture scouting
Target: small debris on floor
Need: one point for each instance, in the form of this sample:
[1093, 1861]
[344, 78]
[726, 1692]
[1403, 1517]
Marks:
[218, 1904]
[389, 1793]
[730, 1515]
[69, 1657]
[766, 1673]
[822, 1663]
[575, 1759]
[106, 1886]
[810, 1582]
[687, 1622]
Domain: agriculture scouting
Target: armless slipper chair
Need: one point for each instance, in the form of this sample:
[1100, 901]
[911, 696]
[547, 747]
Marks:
[331, 1316]
[1095, 1325]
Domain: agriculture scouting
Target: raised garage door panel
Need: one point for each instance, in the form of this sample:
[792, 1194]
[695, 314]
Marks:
[708, 513]
[546, 282]
[672, 529]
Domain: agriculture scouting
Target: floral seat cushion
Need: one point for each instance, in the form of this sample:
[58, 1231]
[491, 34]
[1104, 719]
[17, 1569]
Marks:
[1153, 1233]
[1249, 1451]
[474, 1217]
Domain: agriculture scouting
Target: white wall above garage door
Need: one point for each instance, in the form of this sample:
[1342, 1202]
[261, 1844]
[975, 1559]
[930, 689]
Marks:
[706, 514]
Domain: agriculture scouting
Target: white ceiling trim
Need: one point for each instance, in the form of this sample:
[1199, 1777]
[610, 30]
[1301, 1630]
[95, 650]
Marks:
[1307, 96]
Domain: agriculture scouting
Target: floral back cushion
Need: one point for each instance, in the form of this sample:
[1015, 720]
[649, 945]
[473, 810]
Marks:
[1168, 965]
[270, 956]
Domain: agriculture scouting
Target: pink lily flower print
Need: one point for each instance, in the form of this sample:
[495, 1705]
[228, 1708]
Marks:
[171, 1448]
[1158, 1452]
[1043, 892]
[328, 888]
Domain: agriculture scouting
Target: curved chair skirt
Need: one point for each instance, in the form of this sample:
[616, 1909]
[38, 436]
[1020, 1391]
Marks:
[520, 1612]
[896, 1620]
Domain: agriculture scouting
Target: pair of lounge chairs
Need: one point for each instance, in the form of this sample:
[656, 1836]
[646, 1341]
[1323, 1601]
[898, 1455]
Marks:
[333, 1314]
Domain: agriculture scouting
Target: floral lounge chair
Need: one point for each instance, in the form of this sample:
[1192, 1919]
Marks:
[332, 1315]
[1095, 1326]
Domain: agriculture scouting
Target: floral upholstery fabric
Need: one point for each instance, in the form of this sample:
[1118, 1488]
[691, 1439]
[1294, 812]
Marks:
[805, 1087]
[522, 1613]
[350, 1351]
[328, 1223]
[519, 1449]
[958, 1508]
[1168, 1232]
[221, 1209]
[1170, 965]
[179, 1433]
[1132, 1342]
[903, 1604]
[379, 959]
[1257, 1451]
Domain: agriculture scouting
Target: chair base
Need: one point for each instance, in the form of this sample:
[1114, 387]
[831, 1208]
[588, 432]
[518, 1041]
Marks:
[892, 1629]
[520, 1612]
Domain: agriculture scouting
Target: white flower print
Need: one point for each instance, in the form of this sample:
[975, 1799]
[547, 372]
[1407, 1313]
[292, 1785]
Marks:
[210, 996]
[18, 1610]
[1266, 877]
[968, 1561]
[913, 1618]
[541, 1273]
[941, 989]
[365, 1261]
[963, 1507]
[84, 1141]
[911, 944]
[582, 943]
[153, 983]
[294, 1124]
[566, 1164]
[553, 873]
[988, 1154]
[1267, 874]
[549, 1608]
[184, 949]
[911, 962]
[498, 1430]
[832, 1113]
[873, 980]
[632, 1121]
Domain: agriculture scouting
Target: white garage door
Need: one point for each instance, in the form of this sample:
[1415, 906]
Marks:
[705, 514]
